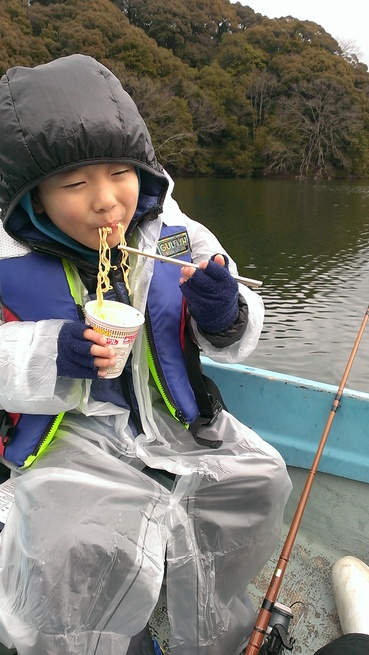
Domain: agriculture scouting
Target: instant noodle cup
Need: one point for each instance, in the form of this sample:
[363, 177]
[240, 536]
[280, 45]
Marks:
[120, 324]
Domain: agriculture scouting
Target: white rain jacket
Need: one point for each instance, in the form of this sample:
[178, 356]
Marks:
[82, 554]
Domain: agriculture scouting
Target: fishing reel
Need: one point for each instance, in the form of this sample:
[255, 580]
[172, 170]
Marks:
[277, 638]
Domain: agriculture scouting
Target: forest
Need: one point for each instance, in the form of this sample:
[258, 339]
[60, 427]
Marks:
[224, 91]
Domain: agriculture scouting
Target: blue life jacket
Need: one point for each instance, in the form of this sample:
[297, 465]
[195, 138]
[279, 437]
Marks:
[37, 287]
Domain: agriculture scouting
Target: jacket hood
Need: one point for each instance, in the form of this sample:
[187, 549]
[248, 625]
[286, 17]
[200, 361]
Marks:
[64, 114]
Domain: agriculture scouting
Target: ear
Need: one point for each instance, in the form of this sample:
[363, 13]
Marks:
[37, 205]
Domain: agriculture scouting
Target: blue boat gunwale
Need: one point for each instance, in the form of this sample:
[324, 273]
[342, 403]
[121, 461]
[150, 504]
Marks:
[291, 412]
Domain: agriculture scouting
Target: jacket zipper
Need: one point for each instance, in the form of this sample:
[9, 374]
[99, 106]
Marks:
[47, 436]
[126, 377]
[158, 375]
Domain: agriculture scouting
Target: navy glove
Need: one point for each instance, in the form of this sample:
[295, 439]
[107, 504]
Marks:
[212, 297]
[74, 359]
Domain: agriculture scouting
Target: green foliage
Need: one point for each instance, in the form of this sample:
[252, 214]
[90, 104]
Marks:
[18, 47]
[191, 29]
[224, 90]
[238, 56]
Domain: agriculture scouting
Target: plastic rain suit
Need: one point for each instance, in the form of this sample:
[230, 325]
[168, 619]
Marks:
[82, 554]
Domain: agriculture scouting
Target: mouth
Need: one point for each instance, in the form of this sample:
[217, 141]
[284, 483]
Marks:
[111, 227]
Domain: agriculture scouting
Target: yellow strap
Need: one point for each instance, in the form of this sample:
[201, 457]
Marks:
[72, 276]
[76, 294]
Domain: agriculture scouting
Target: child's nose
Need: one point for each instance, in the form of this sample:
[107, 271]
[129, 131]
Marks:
[103, 199]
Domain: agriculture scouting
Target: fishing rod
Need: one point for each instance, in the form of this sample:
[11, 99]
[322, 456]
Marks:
[259, 633]
[180, 262]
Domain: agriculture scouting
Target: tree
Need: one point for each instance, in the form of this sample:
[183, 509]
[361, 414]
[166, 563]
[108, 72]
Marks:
[191, 29]
[350, 51]
[289, 35]
[238, 56]
[18, 46]
[214, 80]
[168, 119]
[318, 128]
[261, 92]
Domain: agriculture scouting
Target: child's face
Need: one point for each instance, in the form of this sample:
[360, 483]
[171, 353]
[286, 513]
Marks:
[81, 201]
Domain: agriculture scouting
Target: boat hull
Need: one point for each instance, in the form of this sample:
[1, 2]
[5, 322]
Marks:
[291, 413]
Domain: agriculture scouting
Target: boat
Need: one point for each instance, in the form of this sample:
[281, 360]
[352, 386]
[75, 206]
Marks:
[290, 413]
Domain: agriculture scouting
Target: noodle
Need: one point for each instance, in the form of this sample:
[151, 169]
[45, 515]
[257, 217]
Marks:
[103, 282]
[124, 263]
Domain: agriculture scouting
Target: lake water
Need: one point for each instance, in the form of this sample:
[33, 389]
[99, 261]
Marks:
[308, 242]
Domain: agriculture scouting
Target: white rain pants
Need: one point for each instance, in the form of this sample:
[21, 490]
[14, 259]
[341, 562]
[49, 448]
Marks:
[82, 554]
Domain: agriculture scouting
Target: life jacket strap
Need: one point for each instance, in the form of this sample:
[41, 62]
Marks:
[208, 397]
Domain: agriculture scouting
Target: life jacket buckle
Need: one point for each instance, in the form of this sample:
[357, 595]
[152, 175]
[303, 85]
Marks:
[217, 408]
[204, 421]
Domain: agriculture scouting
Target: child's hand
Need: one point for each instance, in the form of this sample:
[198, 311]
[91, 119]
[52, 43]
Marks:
[188, 271]
[211, 293]
[104, 356]
[82, 353]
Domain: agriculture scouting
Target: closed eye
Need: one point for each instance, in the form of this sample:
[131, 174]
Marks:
[73, 185]
[122, 172]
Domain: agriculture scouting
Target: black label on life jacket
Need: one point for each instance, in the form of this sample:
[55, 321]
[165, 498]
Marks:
[173, 245]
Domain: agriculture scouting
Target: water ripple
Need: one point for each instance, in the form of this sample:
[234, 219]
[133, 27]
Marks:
[309, 243]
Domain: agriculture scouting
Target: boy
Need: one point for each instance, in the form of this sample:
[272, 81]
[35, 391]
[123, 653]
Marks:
[117, 477]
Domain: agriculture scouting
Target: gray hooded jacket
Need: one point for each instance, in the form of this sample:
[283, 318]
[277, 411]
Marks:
[57, 116]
